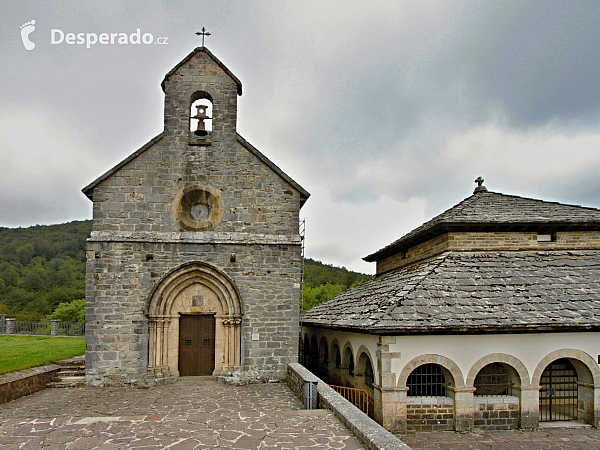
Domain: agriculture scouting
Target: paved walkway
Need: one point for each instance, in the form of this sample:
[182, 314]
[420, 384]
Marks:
[191, 414]
[544, 439]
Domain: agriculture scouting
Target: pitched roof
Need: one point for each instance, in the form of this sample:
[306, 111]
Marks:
[473, 292]
[492, 211]
[215, 59]
[89, 189]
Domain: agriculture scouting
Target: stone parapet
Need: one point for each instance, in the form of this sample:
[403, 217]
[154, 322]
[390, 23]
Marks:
[373, 435]
[18, 384]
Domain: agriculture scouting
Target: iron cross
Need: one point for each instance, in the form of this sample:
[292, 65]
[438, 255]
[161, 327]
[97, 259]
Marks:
[203, 33]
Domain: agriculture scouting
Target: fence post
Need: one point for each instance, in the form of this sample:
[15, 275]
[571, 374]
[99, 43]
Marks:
[10, 326]
[2, 323]
[54, 326]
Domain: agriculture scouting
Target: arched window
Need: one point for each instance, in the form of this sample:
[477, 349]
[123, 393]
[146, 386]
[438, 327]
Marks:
[306, 351]
[349, 361]
[201, 114]
[314, 354]
[324, 352]
[493, 380]
[338, 357]
[427, 380]
[365, 364]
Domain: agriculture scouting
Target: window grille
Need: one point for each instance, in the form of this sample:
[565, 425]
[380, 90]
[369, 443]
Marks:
[492, 380]
[427, 380]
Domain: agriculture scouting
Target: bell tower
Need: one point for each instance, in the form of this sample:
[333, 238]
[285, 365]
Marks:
[201, 100]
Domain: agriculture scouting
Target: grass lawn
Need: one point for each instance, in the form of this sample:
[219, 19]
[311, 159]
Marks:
[22, 352]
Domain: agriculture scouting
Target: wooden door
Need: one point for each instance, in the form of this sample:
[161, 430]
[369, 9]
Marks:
[196, 345]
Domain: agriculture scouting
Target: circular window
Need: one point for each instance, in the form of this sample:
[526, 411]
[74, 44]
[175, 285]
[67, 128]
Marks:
[199, 208]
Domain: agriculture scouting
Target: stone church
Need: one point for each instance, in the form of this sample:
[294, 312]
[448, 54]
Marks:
[194, 262]
[487, 316]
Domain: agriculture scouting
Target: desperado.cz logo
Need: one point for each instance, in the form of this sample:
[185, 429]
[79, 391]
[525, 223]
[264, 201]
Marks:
[88, 39]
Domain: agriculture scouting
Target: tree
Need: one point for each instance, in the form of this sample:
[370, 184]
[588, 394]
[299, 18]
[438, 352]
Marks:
[69, 312]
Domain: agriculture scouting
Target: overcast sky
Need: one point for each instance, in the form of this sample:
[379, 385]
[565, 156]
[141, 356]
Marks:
[385, 111]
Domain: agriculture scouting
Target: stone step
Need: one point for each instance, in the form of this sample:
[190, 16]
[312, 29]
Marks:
[67, 382]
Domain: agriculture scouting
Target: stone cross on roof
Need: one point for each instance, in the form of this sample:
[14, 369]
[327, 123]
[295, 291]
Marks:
[480, 187]
[203, 33]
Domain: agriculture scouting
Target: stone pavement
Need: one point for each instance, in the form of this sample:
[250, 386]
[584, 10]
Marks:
[544, 439]
[191, 414]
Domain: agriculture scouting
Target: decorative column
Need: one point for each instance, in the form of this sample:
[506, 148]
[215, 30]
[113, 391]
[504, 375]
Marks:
[151, 345]
[165, 347]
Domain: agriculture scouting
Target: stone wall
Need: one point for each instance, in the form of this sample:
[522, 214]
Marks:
[430, 414]
[120, 278]
[15, 385]
[496, 413]
[490, 241]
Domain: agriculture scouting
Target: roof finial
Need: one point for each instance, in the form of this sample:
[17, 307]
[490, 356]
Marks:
[203, 33]
[480, 187]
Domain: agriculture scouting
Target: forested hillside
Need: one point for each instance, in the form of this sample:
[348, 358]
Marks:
[325, 281]
[40, 267]
[44, 265]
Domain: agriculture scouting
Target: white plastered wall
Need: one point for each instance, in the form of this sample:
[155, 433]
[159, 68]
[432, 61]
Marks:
[466, 350]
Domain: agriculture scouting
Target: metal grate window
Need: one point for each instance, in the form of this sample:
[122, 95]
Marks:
[492, 380]
[559, 393]
[427, 381]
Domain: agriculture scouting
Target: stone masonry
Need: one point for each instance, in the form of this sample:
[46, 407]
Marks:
[243, 257]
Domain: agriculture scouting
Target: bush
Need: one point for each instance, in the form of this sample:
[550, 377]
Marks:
[69, 312]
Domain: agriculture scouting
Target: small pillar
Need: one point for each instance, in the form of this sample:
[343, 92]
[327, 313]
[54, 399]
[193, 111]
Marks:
[54, 326]
[10, 326]
[530, 407]
[463, 408]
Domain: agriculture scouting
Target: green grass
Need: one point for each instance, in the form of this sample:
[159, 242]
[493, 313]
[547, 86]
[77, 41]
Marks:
[22, 352]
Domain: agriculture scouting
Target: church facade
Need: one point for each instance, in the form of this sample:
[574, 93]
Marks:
[194, 260]
[487, 316]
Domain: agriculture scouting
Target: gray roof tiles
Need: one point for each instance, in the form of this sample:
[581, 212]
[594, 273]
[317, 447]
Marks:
[470, 291]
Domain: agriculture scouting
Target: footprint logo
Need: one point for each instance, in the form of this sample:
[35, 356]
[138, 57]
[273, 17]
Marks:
[26, 30]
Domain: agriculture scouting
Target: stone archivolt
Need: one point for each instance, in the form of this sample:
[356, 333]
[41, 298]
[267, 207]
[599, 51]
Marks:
[193, 288]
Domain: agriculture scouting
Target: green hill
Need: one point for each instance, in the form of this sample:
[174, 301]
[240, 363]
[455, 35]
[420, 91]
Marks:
[40, 267]
[325, 281]
[44, 265]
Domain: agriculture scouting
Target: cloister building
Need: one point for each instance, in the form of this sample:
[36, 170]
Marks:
[486, 316]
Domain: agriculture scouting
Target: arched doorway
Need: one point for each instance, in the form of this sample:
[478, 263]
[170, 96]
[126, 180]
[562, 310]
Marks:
[559, 393]
[194, 319]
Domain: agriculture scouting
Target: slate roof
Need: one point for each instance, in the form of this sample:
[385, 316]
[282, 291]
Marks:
[492, 211]
[471, 293]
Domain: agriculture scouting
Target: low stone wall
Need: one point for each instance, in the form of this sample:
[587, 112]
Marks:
[15, 385]
[373, 435]
[430, 414]
[496, 413]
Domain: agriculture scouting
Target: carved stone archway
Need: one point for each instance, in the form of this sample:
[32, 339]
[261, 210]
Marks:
[193, 288]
